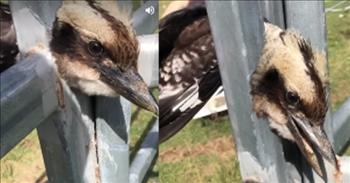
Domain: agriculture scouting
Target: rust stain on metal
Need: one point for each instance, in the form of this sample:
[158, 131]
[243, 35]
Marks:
[338, 174]
[60, 93]
[93, 145]
[38, 48]
[98, 174]
[252, 180]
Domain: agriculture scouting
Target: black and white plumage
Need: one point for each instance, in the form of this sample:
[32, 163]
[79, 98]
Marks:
[189, 73]
[8, 42]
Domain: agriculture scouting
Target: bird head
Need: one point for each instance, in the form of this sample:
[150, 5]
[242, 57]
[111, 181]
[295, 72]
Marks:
[96, 51]
[290, 88]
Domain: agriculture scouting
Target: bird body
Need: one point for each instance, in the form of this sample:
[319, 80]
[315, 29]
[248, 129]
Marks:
[189, 73]
[9, 48]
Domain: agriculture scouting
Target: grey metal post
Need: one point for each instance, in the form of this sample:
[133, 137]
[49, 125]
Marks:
[238, 45]
[145, 26]
[145, 156]
[310, 20]
[113, 115]
[68, 143]
[274, 12]
[148, 59]
[112, 133]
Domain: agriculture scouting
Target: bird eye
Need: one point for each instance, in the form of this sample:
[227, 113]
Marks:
[95, 48]
[292, 98]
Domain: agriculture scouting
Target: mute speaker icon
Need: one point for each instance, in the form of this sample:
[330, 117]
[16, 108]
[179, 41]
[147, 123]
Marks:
[150, 10]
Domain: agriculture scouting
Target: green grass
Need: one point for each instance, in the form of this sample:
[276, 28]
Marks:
[23, 162]
[194, 156]
[141, 122]
[339, 55]
[200, 131]
[203, 168]
[162, 6]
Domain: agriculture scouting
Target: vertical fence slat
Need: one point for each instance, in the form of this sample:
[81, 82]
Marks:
[145, 25]
[112, 128]
[148, 59]
[68, 141]
[274, 12]
[309, 19]
[237, 29]
[145, 156]
[36, 16]
[113, 115]
[44, 9]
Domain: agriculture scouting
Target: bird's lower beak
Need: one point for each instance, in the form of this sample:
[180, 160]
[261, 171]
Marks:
[312, 140]
[130, 85]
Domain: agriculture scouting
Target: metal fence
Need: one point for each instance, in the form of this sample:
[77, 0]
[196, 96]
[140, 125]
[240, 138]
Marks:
[237, 27]
[81, 139]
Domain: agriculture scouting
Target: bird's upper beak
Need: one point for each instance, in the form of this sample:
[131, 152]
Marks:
[312, 141]
[130, 85]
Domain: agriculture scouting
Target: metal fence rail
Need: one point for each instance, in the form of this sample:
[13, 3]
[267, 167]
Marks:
[341, 127]
[237, 27]
[27, 98]
[80, 142]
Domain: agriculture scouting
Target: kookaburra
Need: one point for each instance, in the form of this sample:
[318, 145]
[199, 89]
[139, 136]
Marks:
[289, 88]
[96, 50]
[189, 73]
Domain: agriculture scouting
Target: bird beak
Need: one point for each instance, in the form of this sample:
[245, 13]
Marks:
[130, 85]
[312, 141]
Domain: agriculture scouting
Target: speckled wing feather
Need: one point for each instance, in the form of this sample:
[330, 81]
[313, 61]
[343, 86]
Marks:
[189, 73]
[8, 41]
[173, 24]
